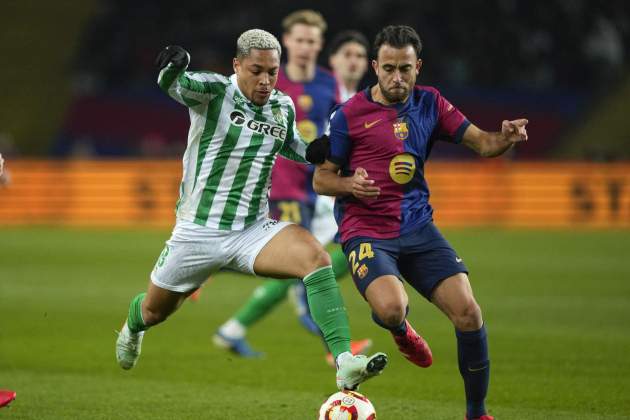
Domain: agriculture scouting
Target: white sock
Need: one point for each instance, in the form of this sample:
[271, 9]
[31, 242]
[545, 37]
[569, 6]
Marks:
[233, 329]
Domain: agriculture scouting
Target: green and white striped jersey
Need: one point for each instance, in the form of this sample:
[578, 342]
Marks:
[232, 146]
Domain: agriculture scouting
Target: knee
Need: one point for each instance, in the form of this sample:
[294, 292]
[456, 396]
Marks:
[318, 258]
[468, 317]
[391, 313]
[322, 258]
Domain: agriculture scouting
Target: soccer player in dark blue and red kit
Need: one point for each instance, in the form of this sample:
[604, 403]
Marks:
[379, 142]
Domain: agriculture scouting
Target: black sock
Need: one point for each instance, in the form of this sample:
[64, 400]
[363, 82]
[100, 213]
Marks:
[398, 330]
[474, 366]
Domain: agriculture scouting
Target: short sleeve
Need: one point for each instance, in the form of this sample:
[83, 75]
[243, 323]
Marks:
[339, 138]
[451, 122]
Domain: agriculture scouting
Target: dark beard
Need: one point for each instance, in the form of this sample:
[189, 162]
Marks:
[393, 98]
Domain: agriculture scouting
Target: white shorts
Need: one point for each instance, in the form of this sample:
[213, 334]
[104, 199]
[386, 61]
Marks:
[194, 252]
[324, 225]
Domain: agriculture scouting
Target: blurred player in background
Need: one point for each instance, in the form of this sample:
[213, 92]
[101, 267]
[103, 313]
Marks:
[348, 58]
[238, 126]
[349, 61]
[380, 140]
[4, 175]
[315, 93]
[6, 396]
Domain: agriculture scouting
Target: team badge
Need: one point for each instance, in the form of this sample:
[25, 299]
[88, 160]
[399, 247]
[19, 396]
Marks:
[305, 102]
[402, 168]
[400, 129]
[238, 99]
[362, 271]
[278, 117]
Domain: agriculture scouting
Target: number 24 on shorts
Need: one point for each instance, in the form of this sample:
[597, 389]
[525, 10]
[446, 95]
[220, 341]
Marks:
[365, 251]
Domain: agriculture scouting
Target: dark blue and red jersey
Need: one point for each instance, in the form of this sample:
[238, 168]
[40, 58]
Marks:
[313, 101]
[391, 143]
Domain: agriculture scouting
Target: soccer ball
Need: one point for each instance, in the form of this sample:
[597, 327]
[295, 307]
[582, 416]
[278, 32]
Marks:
[347, 405]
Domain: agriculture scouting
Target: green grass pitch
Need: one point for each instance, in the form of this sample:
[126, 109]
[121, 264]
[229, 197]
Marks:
[556, 304]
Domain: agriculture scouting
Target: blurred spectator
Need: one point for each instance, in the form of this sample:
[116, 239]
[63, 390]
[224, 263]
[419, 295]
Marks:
[544, 59]
[604, 48]
[472, 40]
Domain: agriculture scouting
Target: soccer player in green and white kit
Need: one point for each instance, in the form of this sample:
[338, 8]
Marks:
[315, 93]
[238, 126]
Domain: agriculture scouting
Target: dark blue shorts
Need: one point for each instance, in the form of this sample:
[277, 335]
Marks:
[423, 258]
[292, 211]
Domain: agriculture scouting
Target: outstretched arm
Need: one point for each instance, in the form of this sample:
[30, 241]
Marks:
[188, 88]
[492, 144]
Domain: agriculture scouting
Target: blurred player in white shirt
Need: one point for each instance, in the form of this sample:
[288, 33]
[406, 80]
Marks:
[4, 176]
[348, 60]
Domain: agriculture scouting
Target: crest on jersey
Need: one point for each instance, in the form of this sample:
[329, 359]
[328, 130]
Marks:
[305, 102]
[402, 168]
[238, 99]
[278, 117]
[400, 129]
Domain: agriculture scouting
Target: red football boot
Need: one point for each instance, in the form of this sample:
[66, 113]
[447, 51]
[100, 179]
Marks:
[484, 417]
[194, 296]
[414, 348]
[6, 397]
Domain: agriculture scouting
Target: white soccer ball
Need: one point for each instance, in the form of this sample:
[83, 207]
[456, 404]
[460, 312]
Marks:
[347, 405]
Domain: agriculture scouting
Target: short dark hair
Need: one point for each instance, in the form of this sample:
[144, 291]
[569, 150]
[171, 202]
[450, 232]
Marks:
[344, 37]
[398, 36]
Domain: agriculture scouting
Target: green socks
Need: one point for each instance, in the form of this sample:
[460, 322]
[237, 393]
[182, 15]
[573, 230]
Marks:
[134, 320]
[268, 295]
[328, 310]
[263, 300]
[339, 262]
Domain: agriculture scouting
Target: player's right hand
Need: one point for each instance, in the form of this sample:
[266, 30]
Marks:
[1, 165]
[514, 131]
[362, 186]
[173, 54]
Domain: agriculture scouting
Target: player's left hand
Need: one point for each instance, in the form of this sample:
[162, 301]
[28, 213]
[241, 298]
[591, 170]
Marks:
[174, 55]
[514, 131]
[361, 186]
[1, 164]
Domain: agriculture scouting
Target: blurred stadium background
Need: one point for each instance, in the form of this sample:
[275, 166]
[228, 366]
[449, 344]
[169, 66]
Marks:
[93, 152]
